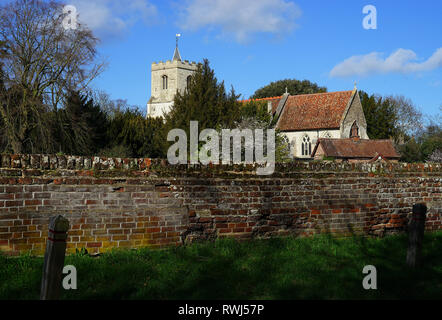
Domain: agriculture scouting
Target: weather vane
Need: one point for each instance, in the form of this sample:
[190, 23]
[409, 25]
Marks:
[178, 35]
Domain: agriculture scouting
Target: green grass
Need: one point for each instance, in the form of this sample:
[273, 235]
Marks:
[282, 268]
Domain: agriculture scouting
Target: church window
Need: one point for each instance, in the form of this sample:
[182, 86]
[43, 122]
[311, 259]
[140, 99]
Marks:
[189, 80]
[354, 130]
[306, 146]
[165, 80]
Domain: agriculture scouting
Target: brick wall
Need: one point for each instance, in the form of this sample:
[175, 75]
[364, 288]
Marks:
[143, 202]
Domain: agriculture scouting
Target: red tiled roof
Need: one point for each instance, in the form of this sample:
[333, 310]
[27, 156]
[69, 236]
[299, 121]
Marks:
[352, 148]
[313, 111]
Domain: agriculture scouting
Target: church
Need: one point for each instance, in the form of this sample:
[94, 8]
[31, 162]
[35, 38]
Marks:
[306, 120]
[168, 78]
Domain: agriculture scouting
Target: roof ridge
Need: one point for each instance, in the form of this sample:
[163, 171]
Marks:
[319, 93]
[297, 95]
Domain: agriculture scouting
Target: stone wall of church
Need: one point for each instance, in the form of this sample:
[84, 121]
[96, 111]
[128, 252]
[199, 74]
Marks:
[355, 113]
[296, 139]
[176, 73]
[157, 109]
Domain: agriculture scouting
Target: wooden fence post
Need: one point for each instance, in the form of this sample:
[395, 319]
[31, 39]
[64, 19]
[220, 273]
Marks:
[416, 234]
[54, 258]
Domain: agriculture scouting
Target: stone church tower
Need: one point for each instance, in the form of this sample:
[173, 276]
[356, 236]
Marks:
[168, 78]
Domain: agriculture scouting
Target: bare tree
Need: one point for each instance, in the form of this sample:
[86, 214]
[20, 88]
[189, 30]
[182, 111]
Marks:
[409, 117]
[43, 61]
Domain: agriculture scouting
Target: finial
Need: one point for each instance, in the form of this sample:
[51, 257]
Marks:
[178, 35]
[176, 54]
[355, 88]
[286, 90]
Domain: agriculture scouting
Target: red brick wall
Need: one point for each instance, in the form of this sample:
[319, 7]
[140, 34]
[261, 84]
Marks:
[143, 202]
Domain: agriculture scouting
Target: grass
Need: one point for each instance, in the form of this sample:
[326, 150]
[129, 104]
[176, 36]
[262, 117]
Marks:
[281, 268]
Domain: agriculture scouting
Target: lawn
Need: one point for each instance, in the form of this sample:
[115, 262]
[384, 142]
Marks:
[320, 267]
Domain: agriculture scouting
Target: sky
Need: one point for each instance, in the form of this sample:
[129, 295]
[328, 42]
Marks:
[251, 43]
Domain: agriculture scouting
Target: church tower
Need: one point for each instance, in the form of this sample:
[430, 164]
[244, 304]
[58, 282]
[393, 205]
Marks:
[168, 78]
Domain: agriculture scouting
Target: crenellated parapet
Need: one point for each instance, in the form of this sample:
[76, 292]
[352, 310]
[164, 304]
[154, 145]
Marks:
[186, 64]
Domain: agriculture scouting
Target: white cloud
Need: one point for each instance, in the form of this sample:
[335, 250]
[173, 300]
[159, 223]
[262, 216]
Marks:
[240, 18]
[113, 18]
[400, 61]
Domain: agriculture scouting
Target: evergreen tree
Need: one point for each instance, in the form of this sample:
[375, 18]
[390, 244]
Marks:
[205, 101]
[82, 126]
[132, 135]
[256, 110]
[294, 87]
[410, 152]
[380, 115]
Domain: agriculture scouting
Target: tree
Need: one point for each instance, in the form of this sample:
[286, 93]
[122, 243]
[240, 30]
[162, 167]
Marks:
[110, 107]
[2, 55]
[425, 147]
[43, 63]
[431, 140]
[205, 101]
[82, 126]
[293, 86]
[26, 122]
[132, 135]
[256, 110]
[254, 115]
[410, 151]
[381, 116]
[409, 119]
[391, 117]
[3, 139]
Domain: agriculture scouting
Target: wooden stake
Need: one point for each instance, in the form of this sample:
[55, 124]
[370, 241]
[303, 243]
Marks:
[416, 234]
[54, 258]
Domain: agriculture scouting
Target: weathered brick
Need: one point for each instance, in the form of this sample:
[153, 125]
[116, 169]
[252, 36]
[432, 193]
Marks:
[136, 210]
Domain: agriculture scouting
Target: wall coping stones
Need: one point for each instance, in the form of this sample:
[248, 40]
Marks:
[65, 165]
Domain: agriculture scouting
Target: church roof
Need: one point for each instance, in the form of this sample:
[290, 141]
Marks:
[356, 148]
[313, 111]
[176, 55]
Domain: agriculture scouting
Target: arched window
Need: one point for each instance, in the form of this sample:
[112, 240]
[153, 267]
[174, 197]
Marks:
[189, 80]
[165, 79]
[306, 146]
[354, 133]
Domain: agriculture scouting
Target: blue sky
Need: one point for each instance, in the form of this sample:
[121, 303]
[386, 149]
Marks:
[250, 43]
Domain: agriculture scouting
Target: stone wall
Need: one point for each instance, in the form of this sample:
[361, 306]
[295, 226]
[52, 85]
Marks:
[297, 137]
[177, 73]
[133, 203]
[354, 113]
